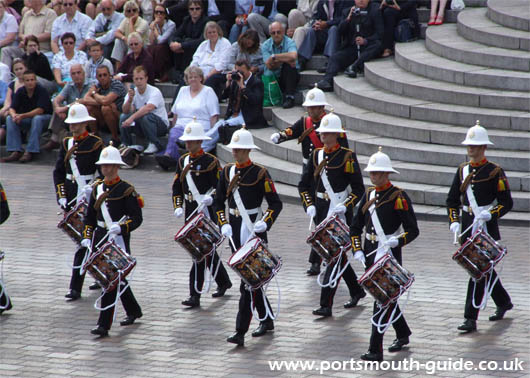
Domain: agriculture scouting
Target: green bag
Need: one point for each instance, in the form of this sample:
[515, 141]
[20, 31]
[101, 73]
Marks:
[272, 94]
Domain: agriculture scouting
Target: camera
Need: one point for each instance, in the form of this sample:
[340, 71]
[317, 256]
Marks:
[236, 76]
[356, 12]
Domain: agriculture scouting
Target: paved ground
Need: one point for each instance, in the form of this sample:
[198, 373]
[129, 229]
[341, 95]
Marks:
[45, 336]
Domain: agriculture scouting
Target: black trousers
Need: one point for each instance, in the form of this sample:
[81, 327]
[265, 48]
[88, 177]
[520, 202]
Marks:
[217, 82]
[391, 18]
[77, 279]
[288, 80]
[499, 294]
[400, 326]
[222, 277]
[183, 60]
[131, 306]
[4, 298]
[327, 293]
[352, 55]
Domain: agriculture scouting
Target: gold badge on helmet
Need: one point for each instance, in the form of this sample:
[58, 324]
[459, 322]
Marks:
[188, 130]
[311, 96]
[105, 153]
[236, 138]
[373, 160]
[72, 112]
[471, 134]
[326, 121]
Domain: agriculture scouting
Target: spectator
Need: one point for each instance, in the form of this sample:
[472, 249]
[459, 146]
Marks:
[137, 57]
[358, 47]
[273, 10]
[57, 6]
[30, 112]
[281, 60]
[300, 17]
[144, 113]
[37, 21]
[104, 102]
[12, 11]
[72, 92]
[72, 21]
[95, 50]
[223, 12]
[89, 7]
[19, 67]
[194, 100]
[8, 27]
[243, 9]
[188, 36]
[247, 48]
[132, 23]
[104, 27]
[394, 11]
[67, 57]
[160, 31]
[437, 18]
[323, 35]
[38, 63]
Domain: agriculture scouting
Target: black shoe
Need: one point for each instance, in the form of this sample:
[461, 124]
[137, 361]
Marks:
[221, 290]
[322, 311]
[100, 331]
[351, 71]
[314, 269]
[499, 313]
[468, 325]
[72, 295]
[237, 338]
[166, 162]
[130, 319]
[302, 62]
[7, 308]
[322, 69]
[371, 356]
[263, 328]
[354, 300]
[398, 344]
[325, 85]
[289, 102]
[94, 286]
[193, 301]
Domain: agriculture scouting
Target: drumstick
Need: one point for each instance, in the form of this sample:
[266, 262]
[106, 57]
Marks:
[455, 241]
[310, 223]
[232, 242]
[378, 248]
[472, 224]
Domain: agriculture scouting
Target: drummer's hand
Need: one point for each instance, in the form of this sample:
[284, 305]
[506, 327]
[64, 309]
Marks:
[87, 190]
[179, 212]
[484, 215]
[311, 211]
[115, 229]
[359, 256]
[62, 203]
[260, 227]
[86, 243]
[275, 138]
[392, 242]
[207, 200]
[339, 209]
[455, 227]
[226, 230]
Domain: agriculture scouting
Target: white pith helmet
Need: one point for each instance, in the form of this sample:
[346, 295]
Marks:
[243, 139]
[477, 136]
[330, 123]
[315, 97]
[194, 131]
[110, 155]
[380, 162]
[78, 113]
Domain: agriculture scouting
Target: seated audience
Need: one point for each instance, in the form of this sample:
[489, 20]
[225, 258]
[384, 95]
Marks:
[159, 32]
[393, 12]
[67, 57]
[300, 17]
[271, 10]
[72, 21]
[246, 48]
[8, 27]
[104, 27]
[95, 51]
[19, 67]
[131, 24]
[37, 62]
[137, 57]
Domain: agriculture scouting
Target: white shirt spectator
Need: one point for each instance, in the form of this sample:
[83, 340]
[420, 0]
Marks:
[99, 25]
[61, 62]
[8, 24]
[91, 68]
[204, 106]
[79, 27]
[166, 32]
[5, 73]
[213, 10]
[151, 95]
[207, 60]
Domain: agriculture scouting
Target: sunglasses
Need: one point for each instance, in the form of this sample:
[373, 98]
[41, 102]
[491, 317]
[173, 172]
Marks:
[57, 4]
[106, 9]
[276, 32]
[102, 75]
[194, 9]
[131, 10]
[134, 44]
[68, 43]
[160, 12]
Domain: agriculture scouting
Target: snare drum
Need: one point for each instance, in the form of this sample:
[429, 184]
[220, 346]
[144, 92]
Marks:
[73, 222]
[108, 263]
[330, 238]
[200, 237]
[479, 254]
[386, 280]
[254, 263]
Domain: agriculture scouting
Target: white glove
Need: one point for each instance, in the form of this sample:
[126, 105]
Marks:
[484, 215]
[207, 200]
[226, 230]
[392, 242]
[260, 226]
[86, 243]
[115, 229]
[275, 138]
[339, 209]
[311, 211]
[455, 227]
[62, 202]
[359, 256]
[179, 212]
[87, 191]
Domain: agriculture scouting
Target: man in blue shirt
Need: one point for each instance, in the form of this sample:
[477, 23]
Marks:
[281, 60]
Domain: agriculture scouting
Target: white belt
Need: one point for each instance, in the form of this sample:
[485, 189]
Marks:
[325, 196]
[236, 212]
[101, 224]
[87, 178]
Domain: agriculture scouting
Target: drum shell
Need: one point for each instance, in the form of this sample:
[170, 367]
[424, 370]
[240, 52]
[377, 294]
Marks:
[73, 222]
[199, 237]
[330, 238]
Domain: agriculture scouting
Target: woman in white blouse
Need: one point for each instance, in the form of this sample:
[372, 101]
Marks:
[159, 32]
[193, 101]
[210, 55]
[66, 58]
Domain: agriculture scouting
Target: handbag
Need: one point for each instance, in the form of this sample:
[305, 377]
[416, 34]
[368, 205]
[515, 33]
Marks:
[272, 94]
[225, 132]
[405, 31]
[457, 4]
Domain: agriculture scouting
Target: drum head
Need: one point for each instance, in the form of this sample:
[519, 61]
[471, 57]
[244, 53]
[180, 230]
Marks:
[243, 252]
[188, 226]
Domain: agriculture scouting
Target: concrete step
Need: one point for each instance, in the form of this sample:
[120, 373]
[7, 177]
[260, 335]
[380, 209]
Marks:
[414, 58]
[359, 92]
[290, 173]
[514, 14]
[469, 3]
[388, 75]
[475, 26]
[446, 42]
[450, 16]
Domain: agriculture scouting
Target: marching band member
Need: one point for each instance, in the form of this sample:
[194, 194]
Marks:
[111, 200]
[244, 185]
[194, 184]
[5, 301]
[477, 185]
[74, 170]
[333, 172]
[304, 131]
[383, 211]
